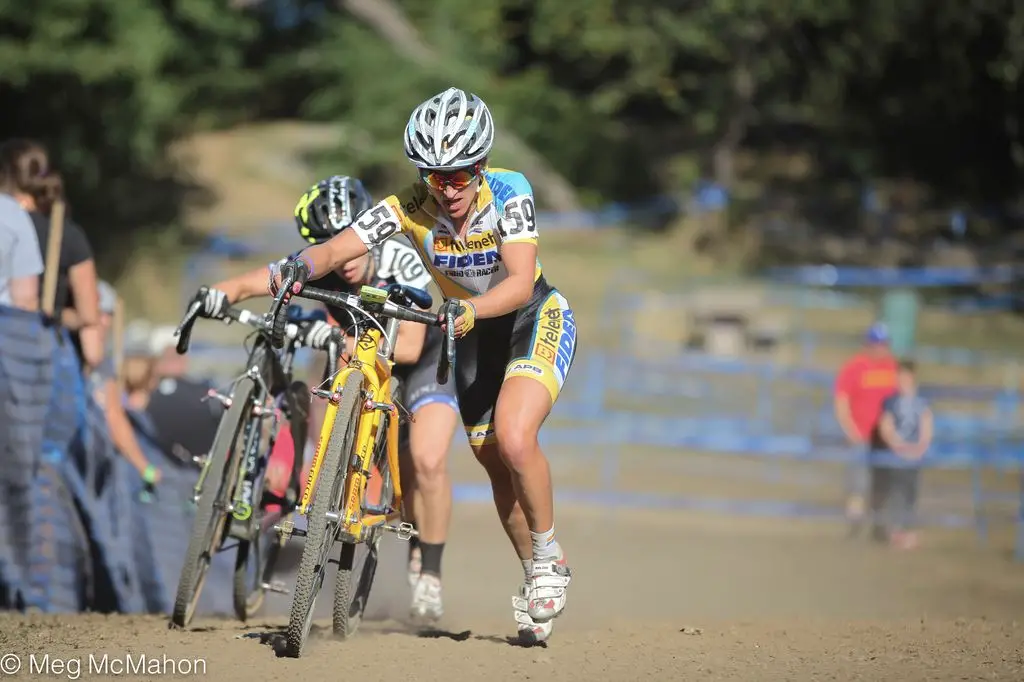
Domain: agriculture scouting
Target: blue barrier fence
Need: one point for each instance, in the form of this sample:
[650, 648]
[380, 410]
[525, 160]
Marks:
[615, 404]
[74, 534]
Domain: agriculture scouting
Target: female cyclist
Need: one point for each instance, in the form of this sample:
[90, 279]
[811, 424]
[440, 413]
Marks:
[325, 211]
[475, 227]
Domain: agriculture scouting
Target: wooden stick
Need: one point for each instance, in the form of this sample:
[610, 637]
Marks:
[49, 294]
[117, 329]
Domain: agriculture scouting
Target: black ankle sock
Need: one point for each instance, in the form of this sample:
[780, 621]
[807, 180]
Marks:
[414, 542]
[432, 558]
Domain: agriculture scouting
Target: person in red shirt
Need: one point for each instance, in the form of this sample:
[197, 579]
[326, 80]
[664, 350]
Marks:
[863, 384]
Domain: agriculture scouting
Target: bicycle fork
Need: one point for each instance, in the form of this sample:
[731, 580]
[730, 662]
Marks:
[355, 487]
[366, 515]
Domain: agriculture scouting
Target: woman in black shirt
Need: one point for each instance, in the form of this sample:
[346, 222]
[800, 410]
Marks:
[36, 186]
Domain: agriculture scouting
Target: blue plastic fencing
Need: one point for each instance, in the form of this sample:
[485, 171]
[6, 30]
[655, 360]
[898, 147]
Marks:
[615, 405]
[73, 532]
[169, 517]
[687, 401]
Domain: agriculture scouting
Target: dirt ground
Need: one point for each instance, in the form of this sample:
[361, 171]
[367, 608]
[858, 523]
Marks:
[666, 594]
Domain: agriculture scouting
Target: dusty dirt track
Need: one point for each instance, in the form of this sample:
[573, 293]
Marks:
[761, 600]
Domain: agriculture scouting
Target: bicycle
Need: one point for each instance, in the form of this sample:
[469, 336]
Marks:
[235, 503]
[359, 436]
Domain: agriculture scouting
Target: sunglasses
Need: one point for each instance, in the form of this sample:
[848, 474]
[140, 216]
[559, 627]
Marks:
[457, 179]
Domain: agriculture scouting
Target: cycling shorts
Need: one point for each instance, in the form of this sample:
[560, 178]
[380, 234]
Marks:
[538, 342]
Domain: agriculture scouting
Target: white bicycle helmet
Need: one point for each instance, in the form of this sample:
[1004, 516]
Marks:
[451, 130]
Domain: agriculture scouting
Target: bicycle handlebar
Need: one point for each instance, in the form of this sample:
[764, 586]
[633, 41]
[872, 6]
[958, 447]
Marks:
[384, 307]
[291, 331]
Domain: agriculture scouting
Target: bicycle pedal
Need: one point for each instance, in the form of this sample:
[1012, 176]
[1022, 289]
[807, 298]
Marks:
[275, 586]
[403, 531]
[286, 529]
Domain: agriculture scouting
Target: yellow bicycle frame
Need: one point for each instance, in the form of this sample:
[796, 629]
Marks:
[376, 382]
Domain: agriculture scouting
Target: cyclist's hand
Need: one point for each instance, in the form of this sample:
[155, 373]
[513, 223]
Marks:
[215, 302]
[318, 334]
[297, 270]
[465, 316]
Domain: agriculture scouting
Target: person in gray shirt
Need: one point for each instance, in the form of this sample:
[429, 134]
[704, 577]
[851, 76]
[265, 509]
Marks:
[902, 439]
[21, 263]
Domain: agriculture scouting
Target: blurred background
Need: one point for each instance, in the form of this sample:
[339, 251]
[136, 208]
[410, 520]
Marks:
[733, 192]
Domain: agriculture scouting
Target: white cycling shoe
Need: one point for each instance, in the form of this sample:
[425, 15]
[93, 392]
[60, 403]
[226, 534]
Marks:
[426, 599]
[530, 631]
[546, 589]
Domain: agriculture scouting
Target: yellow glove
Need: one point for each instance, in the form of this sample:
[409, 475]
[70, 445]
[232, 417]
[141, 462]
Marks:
[465, 317]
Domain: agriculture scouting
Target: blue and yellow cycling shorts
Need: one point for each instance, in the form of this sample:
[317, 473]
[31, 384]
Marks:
[537, 342]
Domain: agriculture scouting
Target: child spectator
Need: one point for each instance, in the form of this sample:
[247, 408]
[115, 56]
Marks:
[904, 436]
[107, 391]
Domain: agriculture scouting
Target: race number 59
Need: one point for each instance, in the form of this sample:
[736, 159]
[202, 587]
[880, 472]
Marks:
[520, 216]
[378, 223]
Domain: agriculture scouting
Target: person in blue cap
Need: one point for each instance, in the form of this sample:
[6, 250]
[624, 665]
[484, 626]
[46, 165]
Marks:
[862, 386]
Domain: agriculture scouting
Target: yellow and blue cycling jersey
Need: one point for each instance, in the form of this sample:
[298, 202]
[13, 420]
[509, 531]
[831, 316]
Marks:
[537, 341]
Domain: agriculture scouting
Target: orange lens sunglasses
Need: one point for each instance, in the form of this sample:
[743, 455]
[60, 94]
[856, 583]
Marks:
[456, 179]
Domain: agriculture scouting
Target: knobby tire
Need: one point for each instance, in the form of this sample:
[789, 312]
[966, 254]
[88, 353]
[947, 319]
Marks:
[206, 534]
[320, 532]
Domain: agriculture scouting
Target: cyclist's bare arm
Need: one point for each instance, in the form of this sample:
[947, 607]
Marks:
[245, 286]
[514, 291]
[333, 253]
[409, 344]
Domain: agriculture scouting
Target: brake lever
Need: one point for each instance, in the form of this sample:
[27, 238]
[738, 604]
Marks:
[184, 330]
[333, 353]
[447, 359]
[278, 321]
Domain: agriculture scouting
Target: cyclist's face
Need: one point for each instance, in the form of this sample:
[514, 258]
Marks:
[455, 191]
[355, 271]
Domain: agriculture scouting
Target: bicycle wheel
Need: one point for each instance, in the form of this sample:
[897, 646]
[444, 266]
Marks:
[251, 563]
[350, 596]
[358, 566]
[321, 530]
[208, 526]
[256, 559]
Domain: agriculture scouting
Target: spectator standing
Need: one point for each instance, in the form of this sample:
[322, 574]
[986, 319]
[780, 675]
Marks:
[21, 260]
[184, 417]
[76, 299]
[863, 384]
[26, 375]
[903, 437]
[107, 392]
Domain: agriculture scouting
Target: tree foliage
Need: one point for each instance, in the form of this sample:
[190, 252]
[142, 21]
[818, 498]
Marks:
[605, 94]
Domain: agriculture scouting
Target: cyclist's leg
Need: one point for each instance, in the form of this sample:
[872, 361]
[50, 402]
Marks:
[479, 369]
[430, 435]
[480, 382]
[533, 379]
[409, 501]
